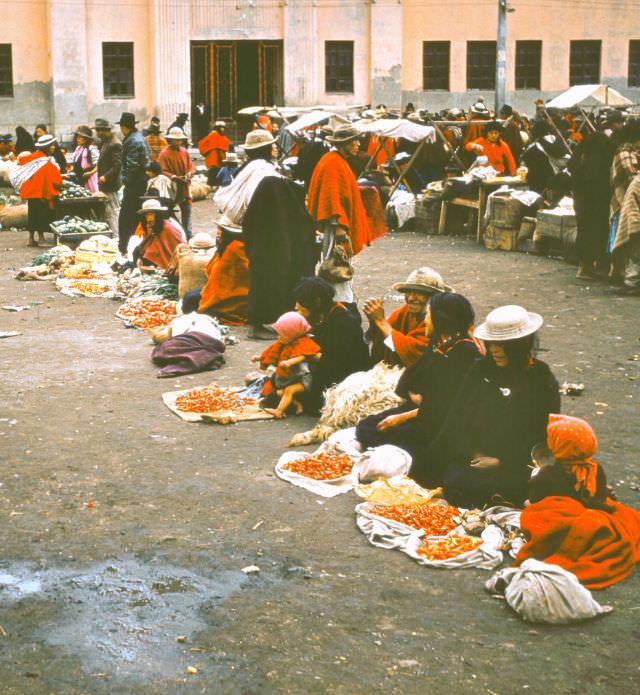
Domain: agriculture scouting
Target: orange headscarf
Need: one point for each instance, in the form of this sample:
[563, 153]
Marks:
[573, 442]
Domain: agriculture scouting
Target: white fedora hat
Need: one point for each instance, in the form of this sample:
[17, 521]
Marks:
[176, 133]
[152, 205]
[508, 323]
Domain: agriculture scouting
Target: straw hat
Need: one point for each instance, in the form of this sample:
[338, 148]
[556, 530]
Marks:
[425, 280]
[343, 134]
[508, 323]
[152, 205]
[231, 158]
[45, 140]
[256, 139]
[479, 108]
[201, 240]
[175, 133]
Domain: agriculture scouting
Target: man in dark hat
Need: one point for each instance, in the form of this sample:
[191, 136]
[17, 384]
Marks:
[495, 148]
[109, 164]
[135, 158]
[180, 122]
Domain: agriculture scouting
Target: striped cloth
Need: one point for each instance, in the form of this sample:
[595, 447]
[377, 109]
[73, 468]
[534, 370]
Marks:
[626, 164]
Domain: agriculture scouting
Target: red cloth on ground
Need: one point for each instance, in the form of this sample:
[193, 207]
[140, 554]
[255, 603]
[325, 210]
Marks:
[375, 212]
[227, 290]
[499, 154]
[45, 183]
[599, 547]
[278, 352]
[160, 248]
[409, 339]
[214, 147]
[333, 191]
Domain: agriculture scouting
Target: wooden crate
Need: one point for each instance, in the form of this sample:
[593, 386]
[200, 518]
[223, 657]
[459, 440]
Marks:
[505, 212]
[427, 215]
[503, 238]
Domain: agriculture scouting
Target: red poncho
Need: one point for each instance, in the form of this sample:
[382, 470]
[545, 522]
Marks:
[409, 339]
[227, 290]
[334, 192]
[213, 147]
[45, 184]
[279, 352]
[599, 547]
[159, 248]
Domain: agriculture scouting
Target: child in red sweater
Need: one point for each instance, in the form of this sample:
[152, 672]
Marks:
[290, 355]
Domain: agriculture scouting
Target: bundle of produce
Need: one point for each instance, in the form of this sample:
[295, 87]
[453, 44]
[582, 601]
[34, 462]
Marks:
[321, 466]
[147, 312]
[434, 519]
[156, 285]
[92, 287]
[212, 399]
[439, 549]
[50, 254]
[70, 224]
[71, 191]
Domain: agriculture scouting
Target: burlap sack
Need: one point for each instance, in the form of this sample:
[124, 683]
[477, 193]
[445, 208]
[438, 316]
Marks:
[191, 269]
[14, 216]
[199, 190]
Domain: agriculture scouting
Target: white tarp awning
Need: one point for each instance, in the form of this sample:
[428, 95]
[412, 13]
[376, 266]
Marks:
[589, 95]
[308, 120]
[398, 128]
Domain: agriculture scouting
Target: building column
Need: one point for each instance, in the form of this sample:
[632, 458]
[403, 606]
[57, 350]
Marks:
[69, 78]
[301, 86]
[171, 60]
[386, 52]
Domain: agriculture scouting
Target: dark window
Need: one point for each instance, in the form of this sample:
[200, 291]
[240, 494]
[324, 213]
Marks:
[6, 71]
[528, 62]
[117, 70]
[338, 66]
[634, 63]
[584, 62]
[481, 64]
[435, 64]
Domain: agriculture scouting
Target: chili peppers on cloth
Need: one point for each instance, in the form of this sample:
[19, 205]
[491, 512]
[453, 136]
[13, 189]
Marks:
[447, 548]
[147, 312]
[212, 399]
[434, 519]
[322, 466]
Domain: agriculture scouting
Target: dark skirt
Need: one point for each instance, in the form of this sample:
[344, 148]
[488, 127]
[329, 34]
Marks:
[39, 215]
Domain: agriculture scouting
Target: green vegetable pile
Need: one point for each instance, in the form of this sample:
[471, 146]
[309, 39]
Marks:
[76, 225]
[71, 190]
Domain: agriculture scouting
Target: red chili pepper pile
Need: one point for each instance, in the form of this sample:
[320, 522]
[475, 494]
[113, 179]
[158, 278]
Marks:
[148, 313]
[435, 519]
[211, 399]
[322, 466]
[446, 548]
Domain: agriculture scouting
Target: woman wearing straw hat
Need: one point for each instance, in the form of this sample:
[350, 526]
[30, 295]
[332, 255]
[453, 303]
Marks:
[85, 159]
[159, 238]
[482, 454]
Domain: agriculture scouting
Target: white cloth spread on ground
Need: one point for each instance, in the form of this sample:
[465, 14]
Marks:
[542, 593]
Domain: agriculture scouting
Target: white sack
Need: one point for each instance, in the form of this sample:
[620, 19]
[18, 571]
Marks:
[542, 593]
[346, 442]
[194, 322]
[384, 461]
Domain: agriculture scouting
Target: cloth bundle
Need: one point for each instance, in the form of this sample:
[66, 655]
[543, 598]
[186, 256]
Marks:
[188, 353]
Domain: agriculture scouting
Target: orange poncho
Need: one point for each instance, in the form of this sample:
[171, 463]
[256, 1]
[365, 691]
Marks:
[599, 547]
[278, 352]
[227, 290]
[213, 147]
[409, 339]
[45, 183]
[381, 157]
[334, 192]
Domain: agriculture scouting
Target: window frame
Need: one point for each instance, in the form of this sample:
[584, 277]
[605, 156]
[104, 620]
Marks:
[633, 71]
[6, 71]
[109, 70]
[574, 79]
[525, 81]
[445, 67]
[332, 82]
[488, 81]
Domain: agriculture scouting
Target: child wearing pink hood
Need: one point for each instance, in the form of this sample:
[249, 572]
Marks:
[290, 355]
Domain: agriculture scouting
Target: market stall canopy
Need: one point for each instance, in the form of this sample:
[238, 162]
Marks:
[589, 95]
[308, 120]
[398, 128]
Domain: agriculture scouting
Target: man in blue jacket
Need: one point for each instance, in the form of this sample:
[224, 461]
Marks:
[135, 159]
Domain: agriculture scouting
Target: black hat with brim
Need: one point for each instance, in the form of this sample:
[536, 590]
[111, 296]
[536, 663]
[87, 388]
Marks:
[128, 120]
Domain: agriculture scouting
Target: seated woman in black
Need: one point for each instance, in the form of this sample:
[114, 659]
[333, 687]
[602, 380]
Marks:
[500, 413]
[430, 384]
[338, 331]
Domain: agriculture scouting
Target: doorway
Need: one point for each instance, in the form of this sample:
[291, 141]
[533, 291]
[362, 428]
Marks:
[230, 75]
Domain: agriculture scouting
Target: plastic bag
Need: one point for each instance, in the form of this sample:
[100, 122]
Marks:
[542, 593]
[384, 461]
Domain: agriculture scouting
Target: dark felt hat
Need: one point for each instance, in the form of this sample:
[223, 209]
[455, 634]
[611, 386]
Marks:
[102, 124]
[85, 131]
[128, 120]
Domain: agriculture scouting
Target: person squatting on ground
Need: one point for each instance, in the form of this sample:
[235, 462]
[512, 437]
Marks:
[290, 358]
[159, 237]
[135, 158]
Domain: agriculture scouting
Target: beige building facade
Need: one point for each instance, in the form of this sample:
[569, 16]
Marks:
[66, 62]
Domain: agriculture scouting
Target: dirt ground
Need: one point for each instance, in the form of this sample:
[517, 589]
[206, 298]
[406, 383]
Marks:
[122, 596]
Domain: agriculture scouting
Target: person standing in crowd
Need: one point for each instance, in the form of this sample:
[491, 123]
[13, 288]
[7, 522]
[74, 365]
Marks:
[180, 122]
[229, 170]
[176, 164]
[590, 168]
[24, 141]
[201, 118]
[511, 130]
[85, 159]
[479, 114]
[135, 158]
[310, 154]
[627, 243]
[495, 148]
[38, 180]
[58, 155]
[544, 157]
[335, 203]
[155, 142]
[626, 165]
[7, 150]
[214, 147]
[109, 164]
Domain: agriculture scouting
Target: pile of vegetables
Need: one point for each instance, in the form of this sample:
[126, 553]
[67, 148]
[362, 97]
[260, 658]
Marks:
[434, 519]
[71, 224]
[447, 548]
[72, 191]
[147, 313]
[212, 399]
[322, 466]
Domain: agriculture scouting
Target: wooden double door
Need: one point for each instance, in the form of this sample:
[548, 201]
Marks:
[231, 75]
